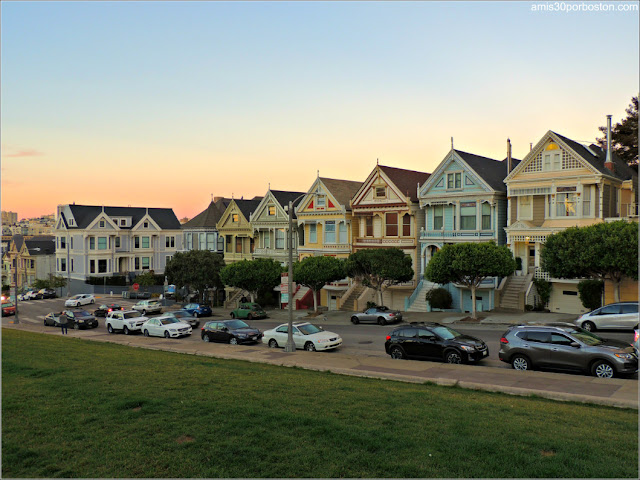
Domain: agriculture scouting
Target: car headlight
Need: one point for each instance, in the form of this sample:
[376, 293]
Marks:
[323, 340]
[468, 348]
[626, 356]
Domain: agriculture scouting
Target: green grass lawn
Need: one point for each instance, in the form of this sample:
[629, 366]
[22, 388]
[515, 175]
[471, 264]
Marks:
[74, 408]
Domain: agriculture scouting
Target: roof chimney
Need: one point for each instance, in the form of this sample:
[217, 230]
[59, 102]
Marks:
[509, 167]
[608, 163]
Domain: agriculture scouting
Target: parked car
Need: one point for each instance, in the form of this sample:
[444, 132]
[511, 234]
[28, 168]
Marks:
[148, 306]
[185, 316]
[46, 293]
[140, 295]
[250, 311]
[80, 299]
[436, 342]
[566, 347]
[30, 295]
[23, 297]
[126, 321]
[8, 308]
[103, 309]
[636, 341]
[380, 315]
[305, 335]
[621, 315]
[165, 326]
[230, 331]
[76, 319]
[198, 310]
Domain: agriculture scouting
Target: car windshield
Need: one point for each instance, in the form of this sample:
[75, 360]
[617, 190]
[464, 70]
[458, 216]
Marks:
[82, 313]
[589, 338]
[132, 315]
[169, 320]
[255, 306]
[76, 297]
[233, 324]
[8, 304]
[309, 329]
[446, 332]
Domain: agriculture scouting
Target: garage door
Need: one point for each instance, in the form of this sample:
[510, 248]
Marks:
[565, 299]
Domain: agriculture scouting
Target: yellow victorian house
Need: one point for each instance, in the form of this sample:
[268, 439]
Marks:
[324, 215]
[235, 227]
[562, 183]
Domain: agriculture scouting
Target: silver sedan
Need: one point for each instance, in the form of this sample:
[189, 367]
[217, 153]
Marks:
[379, 315]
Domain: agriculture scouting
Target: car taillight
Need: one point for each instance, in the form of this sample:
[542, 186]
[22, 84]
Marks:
[392, 314]
[388, 337]
[503, 340]
[635, 336]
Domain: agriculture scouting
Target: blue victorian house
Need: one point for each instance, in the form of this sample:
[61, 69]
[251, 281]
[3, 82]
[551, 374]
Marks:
[464, 200]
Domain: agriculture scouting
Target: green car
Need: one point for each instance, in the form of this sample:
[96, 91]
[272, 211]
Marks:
[249, 311]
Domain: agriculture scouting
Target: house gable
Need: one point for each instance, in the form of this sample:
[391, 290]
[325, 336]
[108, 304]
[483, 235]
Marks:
[378, 189]
[226, 221]
[107, 225]
[269, 210]
[310, 204]
[150, 223]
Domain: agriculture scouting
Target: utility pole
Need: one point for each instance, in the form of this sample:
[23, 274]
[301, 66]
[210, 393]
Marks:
[290, 346]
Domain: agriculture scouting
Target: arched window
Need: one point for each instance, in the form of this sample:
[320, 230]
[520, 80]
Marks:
[406, 225]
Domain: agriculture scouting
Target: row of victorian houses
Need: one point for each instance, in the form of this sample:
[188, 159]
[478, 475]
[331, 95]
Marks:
[468, 198]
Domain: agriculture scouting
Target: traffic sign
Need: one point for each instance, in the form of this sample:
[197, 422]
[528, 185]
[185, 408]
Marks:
[136, 286]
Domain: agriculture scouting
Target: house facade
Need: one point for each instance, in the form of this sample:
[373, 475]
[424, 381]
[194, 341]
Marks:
[559, 184]
[388, 215]
[201, 232]
[235, 227]
[95, 241]
[27, 260]
[326, 220]
[464, 200]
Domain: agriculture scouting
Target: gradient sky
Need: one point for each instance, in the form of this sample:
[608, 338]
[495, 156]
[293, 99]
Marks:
[162, 104]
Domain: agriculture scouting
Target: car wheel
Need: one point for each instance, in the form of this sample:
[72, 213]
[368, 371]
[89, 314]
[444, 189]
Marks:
[92, 301]
[76, 326]
[355, 320]
[273, 343]
[249, 317]
[45, 323]
[166, 334]
[197, 324]
[381, 321]
[397, 353]
[452, 356]
[589, 326]
[144, 312]
[146, 333]
[109, 328]
[309, 347]
[520, 362]
[195, 314]
[233, 341]
[205, 338]
[233, 315]
[602, 369]
[125, 330]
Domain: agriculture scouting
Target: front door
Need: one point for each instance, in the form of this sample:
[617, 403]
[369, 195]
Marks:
[531, 265]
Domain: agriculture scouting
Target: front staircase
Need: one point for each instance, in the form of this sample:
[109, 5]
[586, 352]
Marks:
[348, 303]
[420, 303]
[514, 289]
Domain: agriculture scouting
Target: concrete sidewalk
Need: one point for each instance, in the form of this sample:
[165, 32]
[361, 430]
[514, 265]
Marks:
[558, 386]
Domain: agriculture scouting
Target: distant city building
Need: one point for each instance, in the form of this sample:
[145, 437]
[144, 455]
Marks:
[9, 218]
[28, 260]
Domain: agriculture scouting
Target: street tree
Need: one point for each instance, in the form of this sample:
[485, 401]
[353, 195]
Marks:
[146, 279]
[379, 268]
[254, 276]
[195, 269]
[469, 264]
[624, 135]
[605, 251]
[316, 272]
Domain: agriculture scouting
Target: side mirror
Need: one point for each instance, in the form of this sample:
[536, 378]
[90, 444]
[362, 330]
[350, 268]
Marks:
[574, 344]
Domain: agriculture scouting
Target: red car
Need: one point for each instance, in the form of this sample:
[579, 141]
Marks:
[8, 308]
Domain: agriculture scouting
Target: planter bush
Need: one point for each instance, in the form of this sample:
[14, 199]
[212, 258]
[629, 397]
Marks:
[591, 293]
[439, 298]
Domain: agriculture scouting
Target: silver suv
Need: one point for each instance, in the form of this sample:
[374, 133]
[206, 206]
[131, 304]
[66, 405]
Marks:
[564, 346]
[621, 315]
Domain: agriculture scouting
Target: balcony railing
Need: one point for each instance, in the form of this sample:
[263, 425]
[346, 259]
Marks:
[541, 274]
[384, 241]
[435, 234]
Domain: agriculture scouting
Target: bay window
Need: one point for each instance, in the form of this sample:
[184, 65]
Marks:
[391, 221]
[468, 216]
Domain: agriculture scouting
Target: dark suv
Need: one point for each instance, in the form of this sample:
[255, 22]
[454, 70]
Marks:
[434, 341]
[563, 346]
[230, 331]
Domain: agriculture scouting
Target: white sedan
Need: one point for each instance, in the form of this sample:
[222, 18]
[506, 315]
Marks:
[305, 335]
[165, 326]
[80, 299]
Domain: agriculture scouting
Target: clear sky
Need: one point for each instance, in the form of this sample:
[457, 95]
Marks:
[163, 104]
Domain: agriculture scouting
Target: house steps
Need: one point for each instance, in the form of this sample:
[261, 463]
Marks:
[509, 300]
[348, 304]
[420, 303]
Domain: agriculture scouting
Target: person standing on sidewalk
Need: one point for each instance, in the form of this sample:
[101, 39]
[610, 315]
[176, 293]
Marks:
[63, 323]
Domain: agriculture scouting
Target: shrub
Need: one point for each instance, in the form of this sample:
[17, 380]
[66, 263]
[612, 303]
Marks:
[591, 293]
[371, 304]
[439, 298]
[544, 293]
[518, 263]
[117, 280]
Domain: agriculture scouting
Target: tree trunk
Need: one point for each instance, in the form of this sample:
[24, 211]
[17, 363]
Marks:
[315, 300]
[473, 301]
[251, 294]
[616, 289]
[380, 295]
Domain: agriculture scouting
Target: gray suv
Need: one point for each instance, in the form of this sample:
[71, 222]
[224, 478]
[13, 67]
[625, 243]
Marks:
[566, 347]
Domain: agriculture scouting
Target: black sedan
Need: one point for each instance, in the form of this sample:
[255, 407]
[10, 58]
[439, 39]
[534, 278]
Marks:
[45, 293]
[102, 310]
[433, 341]
[230, 331]
[76, 319]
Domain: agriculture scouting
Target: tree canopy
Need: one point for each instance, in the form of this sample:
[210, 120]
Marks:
[316, 272]
[254, 276]
[196, 269]
[379, 268]
[624, 135]
[606, 251]
[469, 264]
